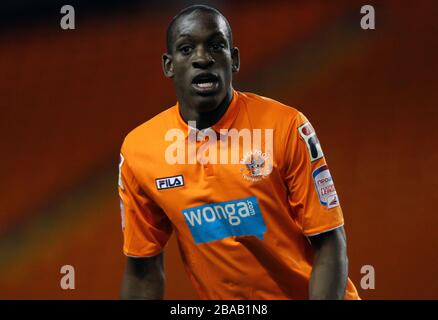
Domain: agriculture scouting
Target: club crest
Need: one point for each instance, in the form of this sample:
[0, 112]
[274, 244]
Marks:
[256, 165]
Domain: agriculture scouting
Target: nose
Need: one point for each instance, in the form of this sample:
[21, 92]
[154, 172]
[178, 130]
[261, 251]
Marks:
[202, 59]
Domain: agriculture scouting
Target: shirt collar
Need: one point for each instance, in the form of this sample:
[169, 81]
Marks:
[224, 122]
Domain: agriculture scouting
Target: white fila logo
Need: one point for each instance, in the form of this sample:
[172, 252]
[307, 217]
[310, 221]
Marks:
[169, 182]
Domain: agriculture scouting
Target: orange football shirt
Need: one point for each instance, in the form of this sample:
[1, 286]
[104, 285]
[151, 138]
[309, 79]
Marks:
[241, 226]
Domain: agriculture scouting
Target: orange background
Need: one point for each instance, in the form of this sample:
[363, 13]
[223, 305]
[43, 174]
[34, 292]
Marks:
[67, 99]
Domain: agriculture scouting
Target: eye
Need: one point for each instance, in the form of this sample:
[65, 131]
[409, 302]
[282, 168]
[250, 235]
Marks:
[185, 49]
[217, 47]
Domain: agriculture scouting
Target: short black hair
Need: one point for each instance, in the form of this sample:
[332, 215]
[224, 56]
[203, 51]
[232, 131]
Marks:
[189, 10]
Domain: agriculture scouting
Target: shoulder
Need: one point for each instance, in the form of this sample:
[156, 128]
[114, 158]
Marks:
[272, 111]
[144, 136]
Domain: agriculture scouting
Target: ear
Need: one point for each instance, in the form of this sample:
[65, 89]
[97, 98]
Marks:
[235, 56]
[167, 65]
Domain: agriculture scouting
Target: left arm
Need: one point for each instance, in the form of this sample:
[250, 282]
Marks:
[330, 265]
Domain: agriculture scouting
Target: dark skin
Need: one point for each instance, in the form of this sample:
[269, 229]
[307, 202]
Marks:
[143, 279]
[201, 47]
[330, 266]
[202, 52]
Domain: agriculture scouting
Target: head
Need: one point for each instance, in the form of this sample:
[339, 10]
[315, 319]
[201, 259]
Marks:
[200, 57]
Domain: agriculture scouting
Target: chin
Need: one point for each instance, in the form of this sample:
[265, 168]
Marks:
[207, 103]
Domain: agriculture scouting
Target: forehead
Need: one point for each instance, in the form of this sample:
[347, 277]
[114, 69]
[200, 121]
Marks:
[200, 24]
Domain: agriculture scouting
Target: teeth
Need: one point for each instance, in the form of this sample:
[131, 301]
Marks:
[205, 85]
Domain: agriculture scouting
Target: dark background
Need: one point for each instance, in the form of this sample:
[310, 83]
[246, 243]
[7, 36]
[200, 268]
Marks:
[68, 98]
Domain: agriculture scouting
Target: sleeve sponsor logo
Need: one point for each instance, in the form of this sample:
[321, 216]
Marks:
[308, 134]
[216, 221]
[325, 187]
[169, 182]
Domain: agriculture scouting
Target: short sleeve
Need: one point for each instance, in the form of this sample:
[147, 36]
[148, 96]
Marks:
[146, 228]
[311, 189]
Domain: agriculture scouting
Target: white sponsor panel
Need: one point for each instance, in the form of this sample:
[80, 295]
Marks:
[325, 187]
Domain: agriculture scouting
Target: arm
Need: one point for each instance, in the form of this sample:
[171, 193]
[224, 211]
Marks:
[144, 278]
[330, 265]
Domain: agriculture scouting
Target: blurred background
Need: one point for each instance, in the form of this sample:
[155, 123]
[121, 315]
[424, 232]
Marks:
[68, 98]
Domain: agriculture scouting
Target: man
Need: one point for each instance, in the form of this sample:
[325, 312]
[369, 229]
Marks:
[253, 221]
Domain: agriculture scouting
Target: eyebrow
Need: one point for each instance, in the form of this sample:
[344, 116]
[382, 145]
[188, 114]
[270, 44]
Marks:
[184, 35]
[218, 34]
[181, 38]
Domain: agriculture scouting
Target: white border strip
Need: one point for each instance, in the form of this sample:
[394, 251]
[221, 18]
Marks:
[315, 234]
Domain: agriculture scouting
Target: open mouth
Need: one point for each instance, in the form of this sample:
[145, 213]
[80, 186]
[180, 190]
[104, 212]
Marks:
[206, 83]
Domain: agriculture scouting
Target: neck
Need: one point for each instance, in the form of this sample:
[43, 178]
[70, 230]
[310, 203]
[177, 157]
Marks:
[209, 118]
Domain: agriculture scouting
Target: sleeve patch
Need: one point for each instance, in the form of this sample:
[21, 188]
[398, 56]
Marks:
[122, 213]
[325, 187]
[122, 159]
[308, 134]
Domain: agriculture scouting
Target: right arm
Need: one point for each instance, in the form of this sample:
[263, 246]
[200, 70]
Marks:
[144, 278]
[146, 230]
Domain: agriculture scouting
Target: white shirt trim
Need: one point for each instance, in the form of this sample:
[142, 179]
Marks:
[315, 234]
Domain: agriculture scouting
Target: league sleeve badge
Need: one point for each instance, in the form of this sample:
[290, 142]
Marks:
[308, 134]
